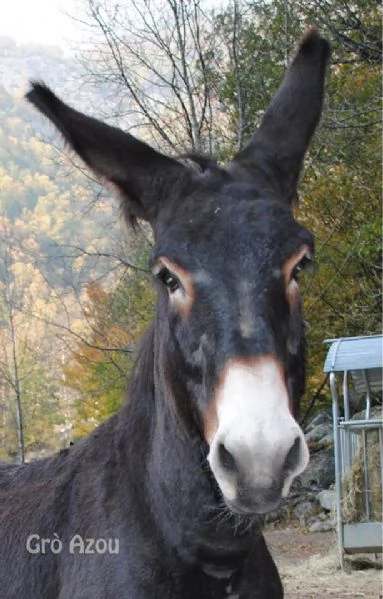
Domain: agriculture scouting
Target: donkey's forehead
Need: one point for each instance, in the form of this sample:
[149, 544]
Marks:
[233, 221]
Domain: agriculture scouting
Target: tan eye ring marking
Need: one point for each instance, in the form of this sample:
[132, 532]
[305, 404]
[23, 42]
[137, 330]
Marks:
[178, 282]
[290, 270]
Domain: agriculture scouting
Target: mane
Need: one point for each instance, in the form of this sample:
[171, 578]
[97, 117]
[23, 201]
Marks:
[141, 380]
[198, 162]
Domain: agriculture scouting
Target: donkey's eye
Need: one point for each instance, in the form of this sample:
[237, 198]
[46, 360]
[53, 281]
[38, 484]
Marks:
[302, 264]
[169, 280]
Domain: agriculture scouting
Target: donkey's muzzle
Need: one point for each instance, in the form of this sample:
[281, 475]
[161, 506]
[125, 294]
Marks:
[264, 496]
[257, 448]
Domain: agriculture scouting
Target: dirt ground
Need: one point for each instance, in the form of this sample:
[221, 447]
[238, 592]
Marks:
[308, 565]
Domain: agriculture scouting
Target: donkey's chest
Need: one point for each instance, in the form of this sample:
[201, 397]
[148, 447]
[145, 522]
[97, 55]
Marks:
[147, 582]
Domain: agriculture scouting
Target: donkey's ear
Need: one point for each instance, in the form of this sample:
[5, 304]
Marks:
[274, 155]
[141, 175]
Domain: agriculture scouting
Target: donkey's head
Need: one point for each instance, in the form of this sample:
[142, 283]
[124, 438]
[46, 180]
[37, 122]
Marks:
[229, 331]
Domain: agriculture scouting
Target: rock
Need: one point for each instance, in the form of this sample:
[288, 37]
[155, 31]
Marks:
[303, 510]
[305, 503]
[318, 433]
[280, 515]
[327, 440]
[320, 473]
[321, 527]
[321, 418]
[376, 413]
[327, 499]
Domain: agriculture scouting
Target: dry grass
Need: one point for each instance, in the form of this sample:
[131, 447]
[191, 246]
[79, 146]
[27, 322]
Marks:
[353, 505]
[319, 577]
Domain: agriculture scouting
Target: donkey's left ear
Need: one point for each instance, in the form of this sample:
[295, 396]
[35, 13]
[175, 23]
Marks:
[142, 176]
[274, 156]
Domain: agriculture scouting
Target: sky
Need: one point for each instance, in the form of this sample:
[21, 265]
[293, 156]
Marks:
[41, 21]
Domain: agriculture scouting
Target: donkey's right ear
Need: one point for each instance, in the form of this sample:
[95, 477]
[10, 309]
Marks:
[142, 176]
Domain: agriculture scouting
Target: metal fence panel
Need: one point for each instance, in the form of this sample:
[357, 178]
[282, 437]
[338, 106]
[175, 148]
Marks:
[355, 369]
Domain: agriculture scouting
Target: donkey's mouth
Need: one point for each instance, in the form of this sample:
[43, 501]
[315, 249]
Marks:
[253, 503]
[253, 508]
[246, 503]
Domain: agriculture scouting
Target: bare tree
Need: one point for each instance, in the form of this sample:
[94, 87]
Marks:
[27, 392]
[152, 57]
[9, 357]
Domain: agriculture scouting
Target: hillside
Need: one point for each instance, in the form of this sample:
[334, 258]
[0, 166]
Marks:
[59, 233]
[42, 195]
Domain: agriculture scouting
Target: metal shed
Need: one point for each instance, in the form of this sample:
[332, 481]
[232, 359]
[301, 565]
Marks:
[355, 372]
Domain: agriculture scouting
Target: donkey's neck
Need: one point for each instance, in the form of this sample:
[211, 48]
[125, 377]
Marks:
[183, 497]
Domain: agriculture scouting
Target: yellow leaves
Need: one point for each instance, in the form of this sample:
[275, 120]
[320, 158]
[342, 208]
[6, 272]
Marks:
[99, 369]
[102, 336]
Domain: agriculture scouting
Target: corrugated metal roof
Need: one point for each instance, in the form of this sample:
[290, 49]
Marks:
[354, 353]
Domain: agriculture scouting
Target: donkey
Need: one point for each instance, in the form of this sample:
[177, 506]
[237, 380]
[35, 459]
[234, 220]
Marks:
[167, 498]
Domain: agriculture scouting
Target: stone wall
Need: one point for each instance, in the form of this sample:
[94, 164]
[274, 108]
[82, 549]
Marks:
[312, 498]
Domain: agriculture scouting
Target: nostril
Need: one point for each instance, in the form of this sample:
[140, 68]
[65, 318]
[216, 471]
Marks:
[292, 457]
[226, 459]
